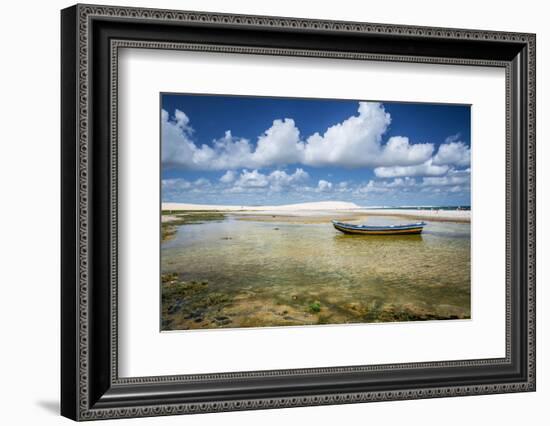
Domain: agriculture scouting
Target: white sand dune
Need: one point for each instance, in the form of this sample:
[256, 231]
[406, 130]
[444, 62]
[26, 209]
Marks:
[451, 215]
[319, 206]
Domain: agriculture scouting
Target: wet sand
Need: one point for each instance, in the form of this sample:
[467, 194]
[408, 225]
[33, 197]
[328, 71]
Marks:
[360, 216]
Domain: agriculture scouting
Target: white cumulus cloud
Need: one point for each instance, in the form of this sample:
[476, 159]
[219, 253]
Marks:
[425, 169]
[277, 180]
[453, 178]
[253, 179]
[324, 185]
[177, 146]
[383, 186]
[453, 153]
[280, 144]
[357, 141]
[175, 184]
[179, 150]
[228, 177]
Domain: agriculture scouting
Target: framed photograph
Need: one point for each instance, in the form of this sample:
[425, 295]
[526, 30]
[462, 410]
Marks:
[263, 212]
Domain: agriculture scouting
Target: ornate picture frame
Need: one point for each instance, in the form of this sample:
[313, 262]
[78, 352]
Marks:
[91, 37]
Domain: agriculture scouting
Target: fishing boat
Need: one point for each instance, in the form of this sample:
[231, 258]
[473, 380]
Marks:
[408, 229]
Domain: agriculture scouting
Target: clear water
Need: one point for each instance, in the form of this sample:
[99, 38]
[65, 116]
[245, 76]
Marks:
[277, 272]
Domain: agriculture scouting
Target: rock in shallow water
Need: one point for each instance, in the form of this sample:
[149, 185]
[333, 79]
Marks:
[222, 320]
[175, 307]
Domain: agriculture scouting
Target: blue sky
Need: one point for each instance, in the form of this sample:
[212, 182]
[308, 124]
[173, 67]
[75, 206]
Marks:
[254, 150]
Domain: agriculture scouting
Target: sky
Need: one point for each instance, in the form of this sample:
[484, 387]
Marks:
[241, 150]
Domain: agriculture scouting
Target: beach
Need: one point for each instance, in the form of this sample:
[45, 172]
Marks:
[330, 209]
[250, 266]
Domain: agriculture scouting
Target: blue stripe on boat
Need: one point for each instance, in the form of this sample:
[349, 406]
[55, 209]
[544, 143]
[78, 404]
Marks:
[380, 228]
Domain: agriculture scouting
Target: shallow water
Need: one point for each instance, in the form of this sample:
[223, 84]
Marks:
[279, 272]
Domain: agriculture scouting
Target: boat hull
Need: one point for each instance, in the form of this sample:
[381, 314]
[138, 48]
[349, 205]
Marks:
[415, 230]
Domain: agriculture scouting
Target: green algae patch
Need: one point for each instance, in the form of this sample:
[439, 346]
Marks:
[171, 220]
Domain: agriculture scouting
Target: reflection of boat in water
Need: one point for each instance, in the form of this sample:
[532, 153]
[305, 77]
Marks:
[409, 229]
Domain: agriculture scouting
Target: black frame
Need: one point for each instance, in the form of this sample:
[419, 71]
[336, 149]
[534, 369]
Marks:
[91, 37]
